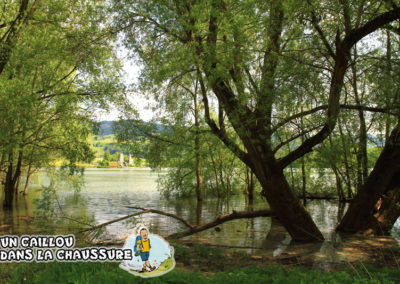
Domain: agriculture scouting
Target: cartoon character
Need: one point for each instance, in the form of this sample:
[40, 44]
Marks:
[153, 256]
[142, 247]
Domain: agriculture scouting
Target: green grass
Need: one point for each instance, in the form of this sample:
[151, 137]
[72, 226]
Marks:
[111, 273]
[163, 268]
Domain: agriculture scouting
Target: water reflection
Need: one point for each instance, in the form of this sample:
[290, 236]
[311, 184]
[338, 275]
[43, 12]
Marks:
[108, 192]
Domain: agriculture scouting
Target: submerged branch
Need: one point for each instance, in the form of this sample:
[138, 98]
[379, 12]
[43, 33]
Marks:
[193, 229]
[114, 221]
[221, 219]
[163, 213]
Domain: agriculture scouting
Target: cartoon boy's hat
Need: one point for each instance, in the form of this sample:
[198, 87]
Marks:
[143, 228]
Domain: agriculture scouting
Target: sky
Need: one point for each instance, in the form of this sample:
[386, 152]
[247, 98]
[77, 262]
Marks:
[131, 70]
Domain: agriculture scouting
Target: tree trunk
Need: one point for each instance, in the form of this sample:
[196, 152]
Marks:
[338, 184]
[16, 190]
[9, 186]
[249, 184]
[336, 172]
[28, 179]
[12, 179]
[251, 187]
[388, 89]
[199, 213]
[199, 178]
[304, 180]
[362, 157]
[346, 162]
[215, 170]
[360, 215]
[388, 211]
[283, 201]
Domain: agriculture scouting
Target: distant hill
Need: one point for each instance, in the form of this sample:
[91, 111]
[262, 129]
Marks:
[106, 127]
[105, 140]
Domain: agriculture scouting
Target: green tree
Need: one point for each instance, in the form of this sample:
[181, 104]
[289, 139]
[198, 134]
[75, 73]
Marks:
[252, 57]
[106, 156]
[59, 70]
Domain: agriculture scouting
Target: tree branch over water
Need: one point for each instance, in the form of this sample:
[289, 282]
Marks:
[222, 219]
[193, 229]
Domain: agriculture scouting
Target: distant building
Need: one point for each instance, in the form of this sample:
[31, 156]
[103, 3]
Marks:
[121, 160]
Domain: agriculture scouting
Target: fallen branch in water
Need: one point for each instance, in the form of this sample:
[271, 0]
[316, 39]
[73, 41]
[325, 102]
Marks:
[192, 228]
[115, 220]
[192, 244]
[221, 219]
[119, 242]
[165, 214]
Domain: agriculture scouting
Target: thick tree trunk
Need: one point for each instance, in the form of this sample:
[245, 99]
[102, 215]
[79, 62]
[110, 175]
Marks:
[9, 187]
[360, 215]
[389, 211]
[12, 179]
[283, 201]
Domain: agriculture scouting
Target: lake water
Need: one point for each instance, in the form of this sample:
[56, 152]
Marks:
[107, 193]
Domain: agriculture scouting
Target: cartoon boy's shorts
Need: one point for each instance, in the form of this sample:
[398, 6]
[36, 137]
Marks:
[144, 256]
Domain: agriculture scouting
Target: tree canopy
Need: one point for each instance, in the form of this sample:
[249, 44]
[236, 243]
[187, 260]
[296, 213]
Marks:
[257, 62]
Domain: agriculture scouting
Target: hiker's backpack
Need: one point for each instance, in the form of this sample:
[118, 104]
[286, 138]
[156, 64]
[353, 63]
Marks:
[139, 238]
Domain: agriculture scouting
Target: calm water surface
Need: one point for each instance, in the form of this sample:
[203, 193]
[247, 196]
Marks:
[107, 193]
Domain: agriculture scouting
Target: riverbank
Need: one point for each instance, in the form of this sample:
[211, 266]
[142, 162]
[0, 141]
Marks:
[210, 264]
[111, 273]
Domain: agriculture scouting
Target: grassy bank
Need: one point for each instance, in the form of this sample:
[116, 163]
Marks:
[110, 273]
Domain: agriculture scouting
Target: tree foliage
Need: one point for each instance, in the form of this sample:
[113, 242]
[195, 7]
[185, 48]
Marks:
[58, 66]
[276, 71]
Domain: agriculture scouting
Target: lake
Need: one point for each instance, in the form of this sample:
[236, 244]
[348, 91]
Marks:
[107, 193]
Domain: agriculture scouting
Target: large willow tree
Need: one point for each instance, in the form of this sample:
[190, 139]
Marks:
[56, 66]
[261, 61]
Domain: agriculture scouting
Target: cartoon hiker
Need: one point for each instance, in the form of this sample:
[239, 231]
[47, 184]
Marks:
[142, 247]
